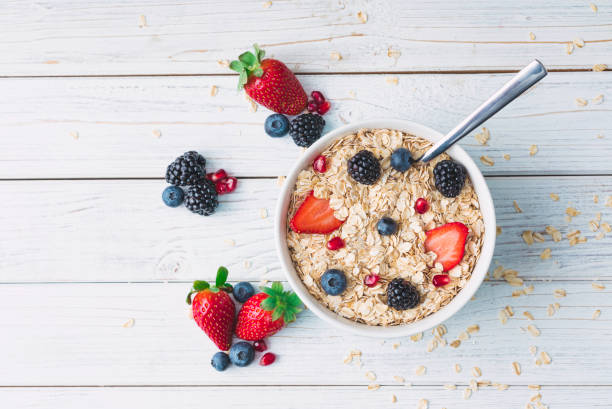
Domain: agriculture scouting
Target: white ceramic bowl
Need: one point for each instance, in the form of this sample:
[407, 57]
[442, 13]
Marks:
[480, 269]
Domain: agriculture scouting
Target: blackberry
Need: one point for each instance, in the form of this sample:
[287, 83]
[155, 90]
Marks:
[187, 169]
[449, 177]
[306, 129]
[201, 198]
[402, 295]
[364, 168]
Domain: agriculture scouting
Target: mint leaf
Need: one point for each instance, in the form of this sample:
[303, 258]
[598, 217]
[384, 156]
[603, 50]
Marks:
[293, 300]
[277, 314]
[277, 287]
[268, 304]
[247, 59]
[221, 276]
[237, 66]
[268, 291]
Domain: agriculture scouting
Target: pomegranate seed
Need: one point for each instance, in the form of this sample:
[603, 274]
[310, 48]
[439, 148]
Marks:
[371, 279]
[227, 185]
[217, 176]
[319, 164]
[312, 106]
[267, 359]
[335, 243]
[260, 345]
[323, 108]
[440, 279]
[421, 206]
[318, 97]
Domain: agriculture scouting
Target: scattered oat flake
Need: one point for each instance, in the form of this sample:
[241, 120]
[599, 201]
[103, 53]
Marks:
[393, 53]
[509, 311]
[538, 237]
[392, 80]
[335, 56]
[396, 345]
[502, 387]
[506, 156]
[483, 137]
[213, 90]
[498, 230]
[554, 197]
[559, 293]
[532, 36]
[581, 102]
[533, 349]
[528, 237]
[545, 255]
[450, 387]
[503, 316]
[267, 4]
[399, 379]
[416, 337]
[74, 134]
[362, 16]
[516, 207]
[247, 264]
[457, 368]
[569, 48]
[593, 7]
[463, 336]
[596, 314]
[423, 404]
[157, 133]
[578, 42]
[517, 368]
[600, 67]
[370, 375]
[533, 330]
[528, 315]
[467, 392]
[455, 343]
[476, 372]
[487, 160]
[571, 211]
[420, 370]
[472, 329]
[252, 104]
[373, 386]
[229, 242]
[142, 21]
[550, 310]
[393, 398]
[534, 387]
[545, 358]
[129, 323]
[597, 100]
[263, 213]
[223, 63]
[598, 286]
[533, 149]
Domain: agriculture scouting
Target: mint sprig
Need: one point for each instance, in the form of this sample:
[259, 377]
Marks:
[248, 64]
[220, 284]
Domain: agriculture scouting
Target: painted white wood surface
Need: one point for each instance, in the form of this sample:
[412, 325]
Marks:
[93, 37]
[73, 334]
[115, 119]
[119, 230]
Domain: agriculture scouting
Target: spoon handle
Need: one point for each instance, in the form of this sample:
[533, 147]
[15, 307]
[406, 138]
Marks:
[521, 82]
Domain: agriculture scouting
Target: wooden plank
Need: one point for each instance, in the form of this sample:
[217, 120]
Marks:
[119, 230]
[114, 120]
[572, 397]
[73, 334]
[89, 37]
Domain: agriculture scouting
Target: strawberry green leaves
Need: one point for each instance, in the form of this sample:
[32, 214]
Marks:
[283, 304]
[248, 64]
[220, 284]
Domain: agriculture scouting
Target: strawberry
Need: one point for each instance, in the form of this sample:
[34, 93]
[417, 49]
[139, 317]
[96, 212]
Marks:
[213, 309]
[266, 313]
[315, 216]
[448, 242]
[270, 83]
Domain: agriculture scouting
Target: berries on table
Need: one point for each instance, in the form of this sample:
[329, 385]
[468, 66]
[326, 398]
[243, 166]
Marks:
[440, 280]
[402, 295]
[314, 216]
[187, 169]
[306, 129]
[243, 291]
[333, 281]
[317, 97]
[421, 206]
[260, 345]
[173, 196]
[270, 83]
[213, 309]
[401, 159]
[242, 353]
[266, 313]
[220, 361]
[277, 125]
[267, 359]
[312, 107]
[448, 242]
[216, 176]
[324, 108]
[371, 279]
[227, 185]
[320, 164]
[202, 198]
[364, 168]
[335, 243]
[449, 177]
[386, 226]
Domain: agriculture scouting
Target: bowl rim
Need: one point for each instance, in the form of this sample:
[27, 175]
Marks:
[480, 269]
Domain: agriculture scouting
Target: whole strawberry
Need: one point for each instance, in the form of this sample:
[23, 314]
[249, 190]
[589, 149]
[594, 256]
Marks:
[213, 309]
[266, 313]
[270, 83]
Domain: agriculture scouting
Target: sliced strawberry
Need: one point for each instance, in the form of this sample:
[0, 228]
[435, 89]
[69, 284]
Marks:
[448, 242]
[315, 216]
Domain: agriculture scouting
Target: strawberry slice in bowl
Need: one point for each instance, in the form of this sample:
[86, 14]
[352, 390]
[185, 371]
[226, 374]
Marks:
[315, 217]
[448, 242]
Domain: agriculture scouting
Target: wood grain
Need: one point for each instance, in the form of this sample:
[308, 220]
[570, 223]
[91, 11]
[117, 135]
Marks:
[119, 230]
[333, 397]
[93, 38]
[73, 334]
[114, 120]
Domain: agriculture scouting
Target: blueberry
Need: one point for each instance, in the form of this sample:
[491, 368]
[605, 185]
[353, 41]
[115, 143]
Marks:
[386, 226]
[333, 282]
[220, 361]
[241, 353]
[173, 196]
[277, 125]
[401, 159]
[243, 291]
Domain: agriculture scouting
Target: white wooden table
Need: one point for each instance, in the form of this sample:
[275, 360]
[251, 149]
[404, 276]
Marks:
[88, 245]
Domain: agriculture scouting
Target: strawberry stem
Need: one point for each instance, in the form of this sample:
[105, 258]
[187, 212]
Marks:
[220, 284]
[283, 304]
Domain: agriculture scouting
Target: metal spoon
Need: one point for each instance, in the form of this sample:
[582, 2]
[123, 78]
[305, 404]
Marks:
[521, 82]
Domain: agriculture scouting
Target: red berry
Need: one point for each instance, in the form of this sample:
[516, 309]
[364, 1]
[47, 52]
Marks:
[267, 359]
[421, 206]
[217, 176]
[335, 243]
[371, 279]
[323, 108]
[318, 97]
[319, 164]
[440, 279]
[312, 106]
[260, 345]
[227, 185]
